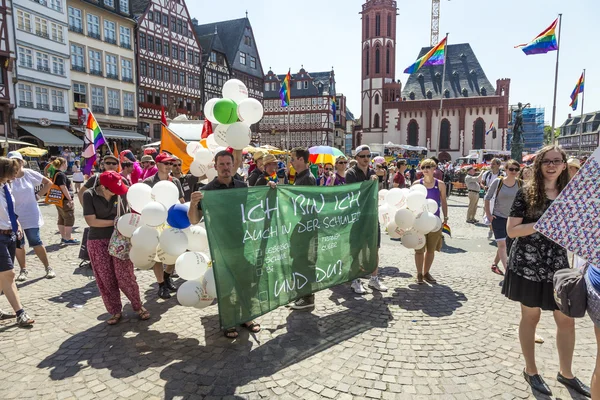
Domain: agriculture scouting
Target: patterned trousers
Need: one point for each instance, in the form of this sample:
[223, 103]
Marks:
[111, 275]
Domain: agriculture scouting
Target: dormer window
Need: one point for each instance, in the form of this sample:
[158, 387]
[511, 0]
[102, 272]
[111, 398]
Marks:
[411, 95]
[465, 92]
[483, 91]
[429, 94]
[447, 93]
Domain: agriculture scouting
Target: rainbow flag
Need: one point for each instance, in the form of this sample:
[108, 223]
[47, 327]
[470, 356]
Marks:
[286, 90]
[446, 229]
[333, 107]
[575, 95]
[435, 56]
[543, 43]
[92, 141]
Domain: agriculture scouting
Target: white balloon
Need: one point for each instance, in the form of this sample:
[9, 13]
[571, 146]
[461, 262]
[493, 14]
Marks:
[432, 206]
[166, 193]
[395, 198]
[394, 231]
[141, 258]
[415, 201]
[211, 142]
[425, 222]
[173, 241]
[406, 191]
[154, 214]
[250, 111]
[197, 239]
[191, 266]
[145, 238]
[208, 110]
[404, 219]
[381, 195]
[220, 134]
[419, 188]
[238, 135]
[197, 169]
[139, 195]
[438, 224]
[384, 214]
[164, 257]
[189, 293]
[204, 302]
[203, 156]
[128, 223]
[211, 173]
[235, 90]
[192, 148]
[413, 240]
[209, 284]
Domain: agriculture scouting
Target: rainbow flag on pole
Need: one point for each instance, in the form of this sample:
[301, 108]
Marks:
[92, 141]
[435, 56]
[286, 90]
[333, 107]
[543, 43]
[575, 95]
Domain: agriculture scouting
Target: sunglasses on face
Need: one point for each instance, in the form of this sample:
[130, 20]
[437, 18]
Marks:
[328, 169]
[167, 163]
[364, 156]
[343, 162]
[126, 165]
[514, 169]
[177, 165]
[547, 163]
[109, 163]
[427, 167]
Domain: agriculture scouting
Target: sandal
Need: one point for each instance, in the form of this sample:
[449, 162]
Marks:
[114, 319]
[143, 314]
[230, 333]
[252, 327]
[497, 270]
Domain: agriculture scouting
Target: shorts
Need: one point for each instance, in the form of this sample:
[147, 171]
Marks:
[66, 216]
[33, 238]
[499, 227]
[8, 245]
[593, 302]
[433, 242]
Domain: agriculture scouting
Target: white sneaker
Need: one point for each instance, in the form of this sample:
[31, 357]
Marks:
[358, 287]
[490, 233]
[376, 284]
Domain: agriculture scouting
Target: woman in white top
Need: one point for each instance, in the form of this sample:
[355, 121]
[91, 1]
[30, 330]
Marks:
[30, 217]
[78, 177]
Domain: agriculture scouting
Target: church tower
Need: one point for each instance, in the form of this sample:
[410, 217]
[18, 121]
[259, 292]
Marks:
[378, 62]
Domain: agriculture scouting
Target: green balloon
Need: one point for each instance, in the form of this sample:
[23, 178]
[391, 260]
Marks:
[225, 111]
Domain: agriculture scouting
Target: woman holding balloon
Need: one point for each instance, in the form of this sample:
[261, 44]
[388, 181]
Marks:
[100, 205]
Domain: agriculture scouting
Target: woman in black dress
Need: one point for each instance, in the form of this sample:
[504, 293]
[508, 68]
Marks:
[532, 262]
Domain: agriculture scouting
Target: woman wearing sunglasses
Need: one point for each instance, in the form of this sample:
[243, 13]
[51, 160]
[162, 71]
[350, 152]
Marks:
[339, 178]
[503, 191]
[532, 262]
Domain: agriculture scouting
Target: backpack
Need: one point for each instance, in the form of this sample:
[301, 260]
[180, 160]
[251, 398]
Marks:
[570, 291]
[501, 183]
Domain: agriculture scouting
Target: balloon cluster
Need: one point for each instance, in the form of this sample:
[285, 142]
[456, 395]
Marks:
[408, 214]
[161, 231]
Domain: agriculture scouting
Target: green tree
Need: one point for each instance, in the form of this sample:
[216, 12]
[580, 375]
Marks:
[547, 134]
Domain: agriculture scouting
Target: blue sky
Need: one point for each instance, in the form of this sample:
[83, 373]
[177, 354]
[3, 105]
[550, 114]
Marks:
[320, 34]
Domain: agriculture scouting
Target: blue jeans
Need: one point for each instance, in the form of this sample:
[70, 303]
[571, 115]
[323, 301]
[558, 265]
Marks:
[8, 246]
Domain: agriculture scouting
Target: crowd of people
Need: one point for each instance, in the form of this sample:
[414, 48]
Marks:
[515, 197]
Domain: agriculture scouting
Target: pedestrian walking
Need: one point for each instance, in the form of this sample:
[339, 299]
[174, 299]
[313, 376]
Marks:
[531, 265]
[472, 182]
[101, 206]
[66, 212]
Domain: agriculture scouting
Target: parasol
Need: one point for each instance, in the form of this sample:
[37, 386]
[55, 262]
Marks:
[324, 154]
[379, 160]
[32, 151]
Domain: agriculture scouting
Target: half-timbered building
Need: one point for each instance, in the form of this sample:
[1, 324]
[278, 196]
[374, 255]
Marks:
[7, 57]
[168, 62]
[310, 113]
[215, 65]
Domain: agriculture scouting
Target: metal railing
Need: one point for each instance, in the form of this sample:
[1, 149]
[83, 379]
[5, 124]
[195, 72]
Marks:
[43, 68]
[42, 34]
[58, 108]
[110, 40]
[42, 106]
[78, 68]
[128, 113]
[127, 79]
[126, 45]
[26, 104]
[97, 72]
[94, 35]
[112, 76]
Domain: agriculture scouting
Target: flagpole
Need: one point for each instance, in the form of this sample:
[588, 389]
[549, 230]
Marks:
[556, 79]
[288, 127]
[581, 121]
[443, 92]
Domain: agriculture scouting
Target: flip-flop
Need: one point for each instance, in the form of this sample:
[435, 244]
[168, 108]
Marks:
[230, 333]
[497, 270]
[252, 327]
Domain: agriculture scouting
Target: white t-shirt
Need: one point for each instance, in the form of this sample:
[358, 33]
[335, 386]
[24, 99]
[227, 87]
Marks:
[26, 206]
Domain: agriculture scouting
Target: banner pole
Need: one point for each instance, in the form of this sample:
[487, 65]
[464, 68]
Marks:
[581, 121]
[556, 79]
[287, 136]
[442, 92]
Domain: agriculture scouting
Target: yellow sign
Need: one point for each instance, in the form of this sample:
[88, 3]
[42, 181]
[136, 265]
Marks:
[80, 105]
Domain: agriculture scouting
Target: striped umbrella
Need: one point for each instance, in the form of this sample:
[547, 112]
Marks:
[324, 154]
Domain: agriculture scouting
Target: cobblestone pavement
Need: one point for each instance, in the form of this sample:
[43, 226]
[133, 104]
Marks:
[454, 340]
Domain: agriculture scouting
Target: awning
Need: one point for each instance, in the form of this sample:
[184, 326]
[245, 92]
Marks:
[53, 136]
[17, 142]
[126, 135]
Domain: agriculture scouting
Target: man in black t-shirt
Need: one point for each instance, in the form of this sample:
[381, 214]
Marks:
[189, 182]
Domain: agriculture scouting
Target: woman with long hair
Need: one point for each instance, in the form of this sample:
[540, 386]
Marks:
[532, 263]
[339, 177]
[66, 213]
[526, 173]
[30, 217]
[9, 233]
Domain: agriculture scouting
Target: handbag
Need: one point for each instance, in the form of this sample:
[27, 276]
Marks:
[570, 291]
[55, 195]
[119, 245]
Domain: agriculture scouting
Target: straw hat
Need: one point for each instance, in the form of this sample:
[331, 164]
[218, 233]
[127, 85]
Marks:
[574, 162]
[269, 158]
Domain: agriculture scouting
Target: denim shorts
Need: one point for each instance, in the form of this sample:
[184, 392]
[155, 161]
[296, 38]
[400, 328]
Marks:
[593, 303]
[8, 245]
[33, 238]
[499, 228]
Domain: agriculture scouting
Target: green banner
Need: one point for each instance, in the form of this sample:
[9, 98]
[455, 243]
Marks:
[272, 246]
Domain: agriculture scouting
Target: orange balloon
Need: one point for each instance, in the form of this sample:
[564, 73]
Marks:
[203, 143]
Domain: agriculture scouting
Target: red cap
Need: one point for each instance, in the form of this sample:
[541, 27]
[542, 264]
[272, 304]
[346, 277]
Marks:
[162, 157]
[150, 150]
[113, 181]
[229, 150]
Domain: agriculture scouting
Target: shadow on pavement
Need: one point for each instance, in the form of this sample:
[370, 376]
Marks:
[436, 300]
[77, 297]
[451, 250]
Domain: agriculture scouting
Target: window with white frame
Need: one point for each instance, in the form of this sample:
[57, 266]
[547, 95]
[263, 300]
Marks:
[75, 21]
[242, 58]
[111, 66]
[56, 32]
[56, 5]
[124, 5]
[125, 37]
[109, 3]
[128, 104]
[77, 61]
[79, 93]
[25, 95]
[58, 66]
[25, 57]
[93, 26]
[95, 61]
[298, 85]
[58, 100]
[41, 98]
[97, 99]
[114, 102]
[24, 20]
[110, 32]
[41, 27]
[42, 61]
[126, 70]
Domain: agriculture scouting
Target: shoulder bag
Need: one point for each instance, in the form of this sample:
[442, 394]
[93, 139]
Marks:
[119, 245]
[55, 195]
